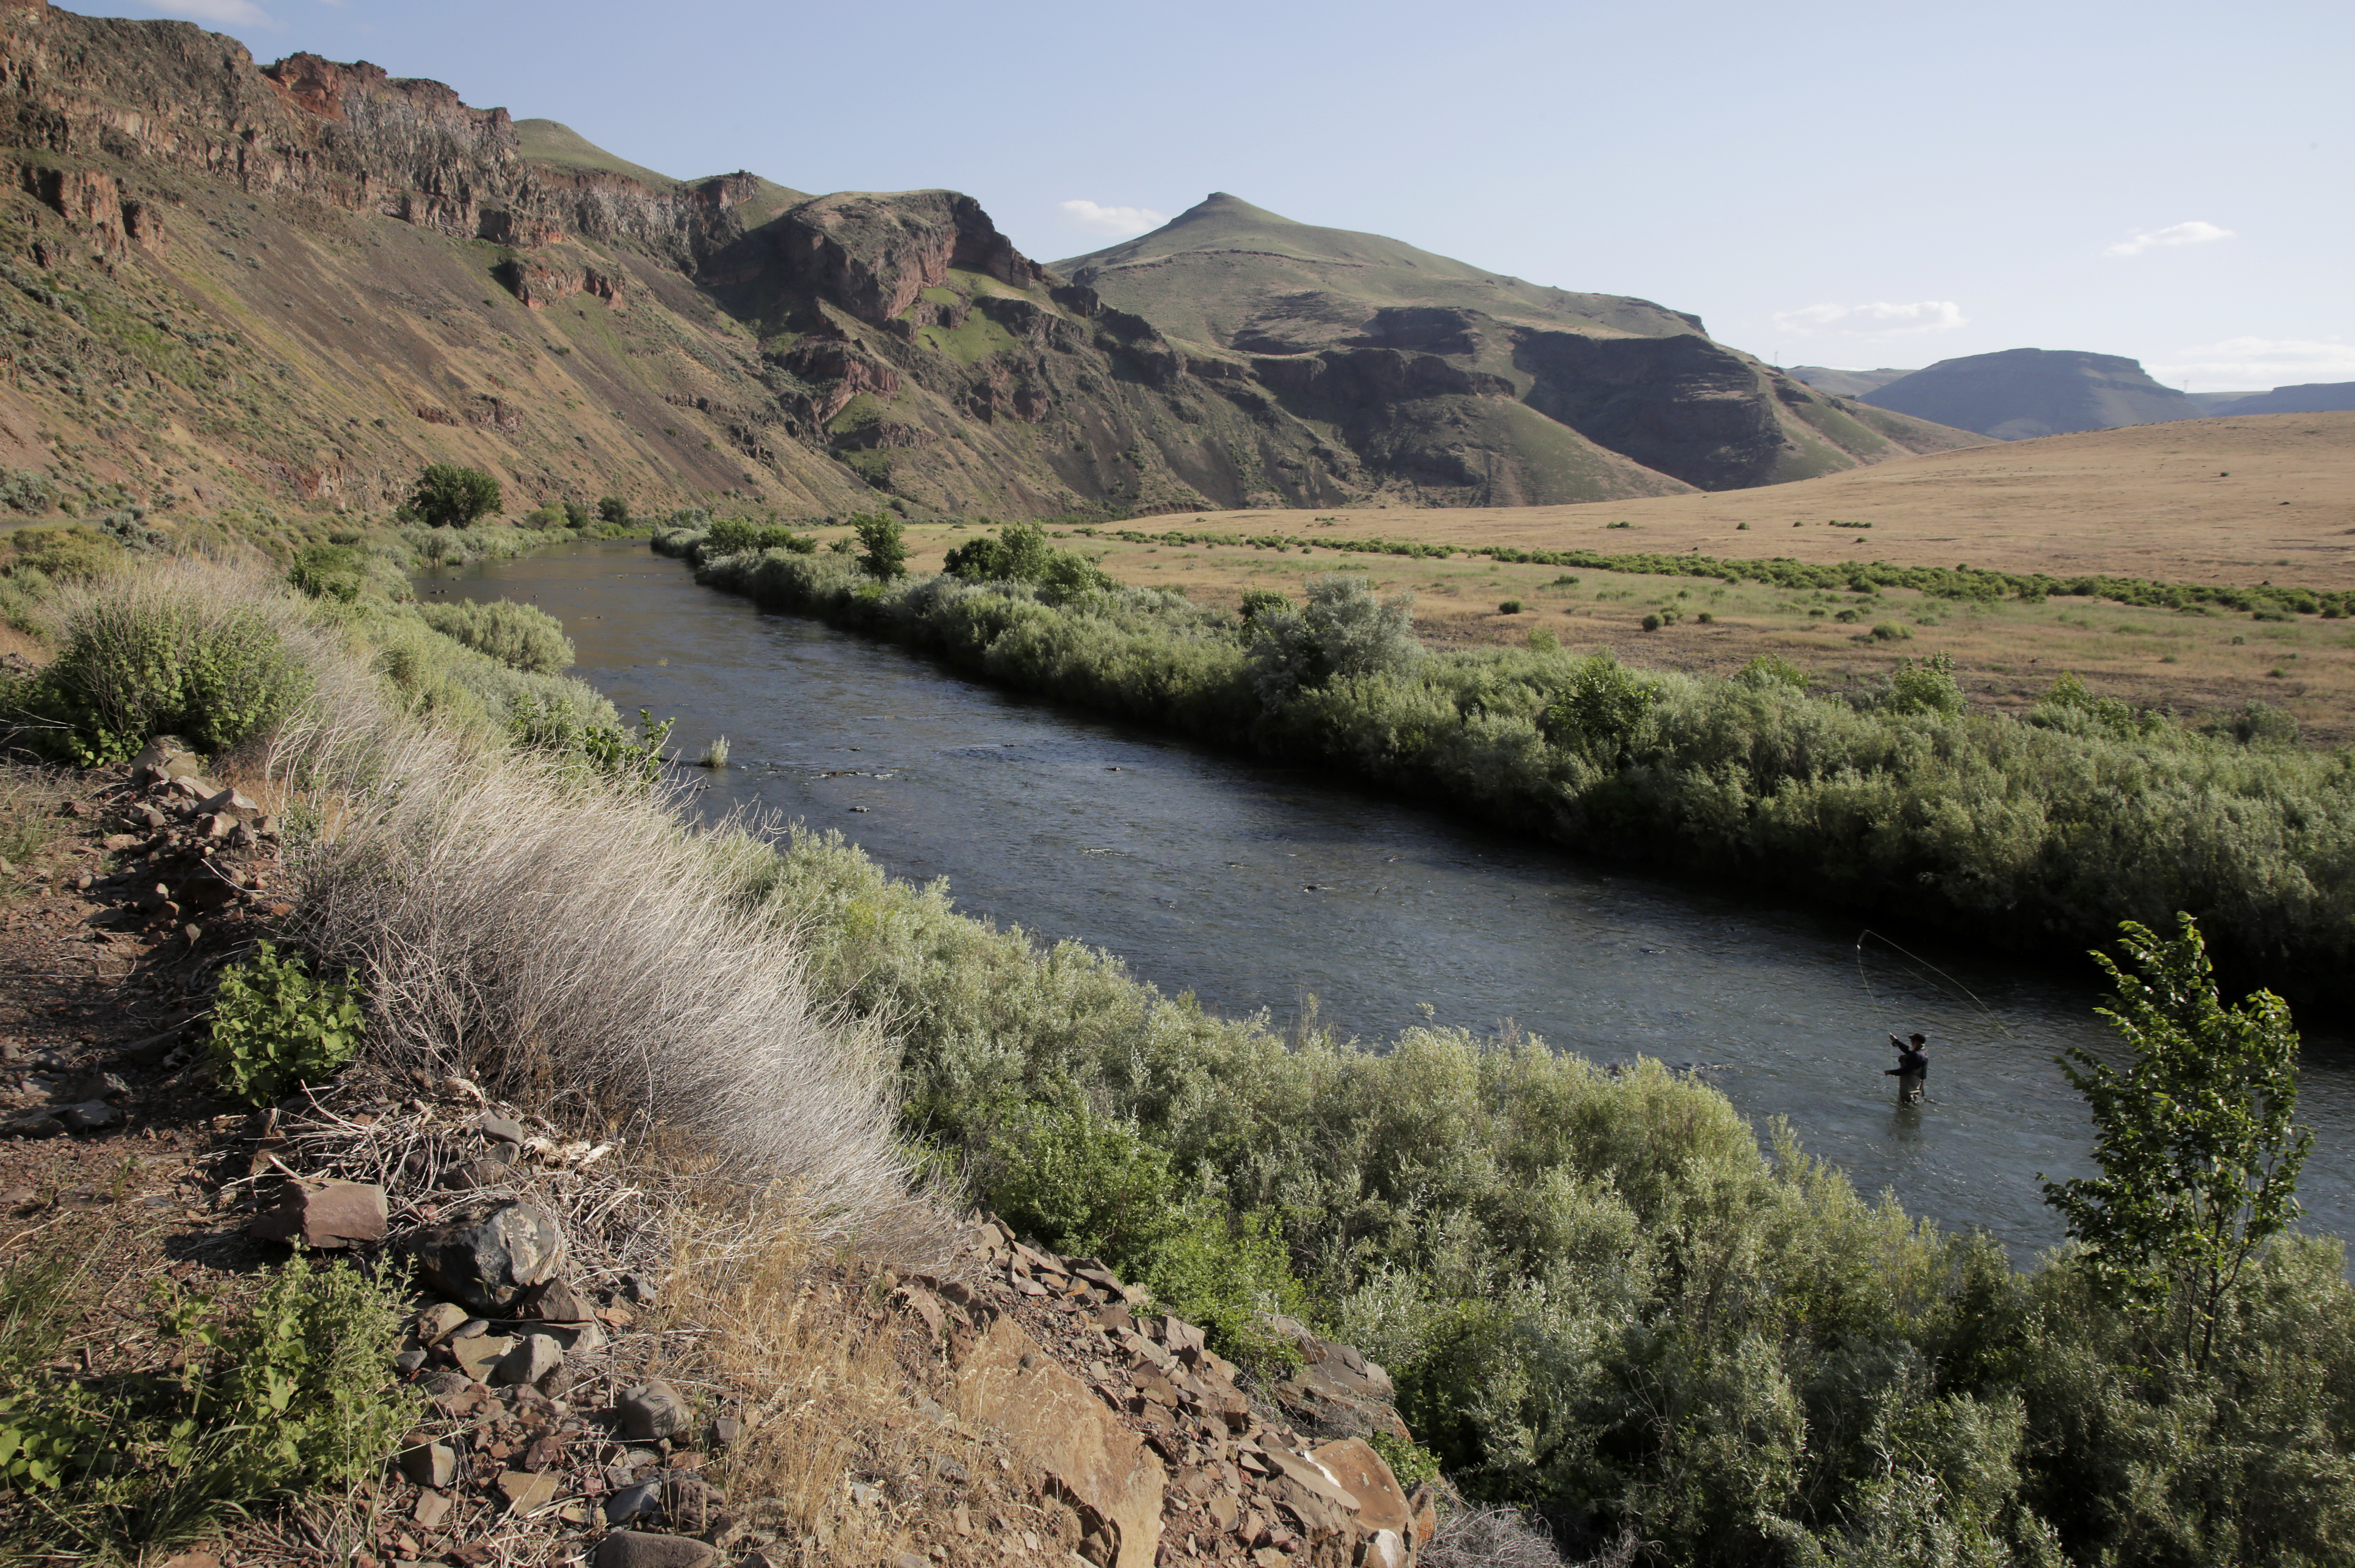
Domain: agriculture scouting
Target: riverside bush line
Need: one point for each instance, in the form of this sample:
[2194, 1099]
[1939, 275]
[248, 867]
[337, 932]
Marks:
[1938, 582]
[2024, 834]
[1598, 1294]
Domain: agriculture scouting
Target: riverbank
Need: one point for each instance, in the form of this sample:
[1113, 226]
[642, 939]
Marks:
[2022, 834]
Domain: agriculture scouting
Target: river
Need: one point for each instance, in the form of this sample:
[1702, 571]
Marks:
[1258, 887]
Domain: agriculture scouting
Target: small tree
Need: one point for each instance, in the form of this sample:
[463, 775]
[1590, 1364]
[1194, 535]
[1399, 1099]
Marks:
[1924, 686]
[448, 496]
[612, 509]
[2198, 1158]
[1343, 630]
[882, 553]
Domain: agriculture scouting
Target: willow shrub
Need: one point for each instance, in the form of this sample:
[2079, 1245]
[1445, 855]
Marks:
[1597, 1290]
[2028, 833]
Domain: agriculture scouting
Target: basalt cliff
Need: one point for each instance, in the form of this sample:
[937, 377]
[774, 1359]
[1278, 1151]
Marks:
[291, 285]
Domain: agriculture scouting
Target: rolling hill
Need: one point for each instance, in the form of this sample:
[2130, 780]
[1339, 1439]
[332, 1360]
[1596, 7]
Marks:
[2023, 392]
[1429, 366]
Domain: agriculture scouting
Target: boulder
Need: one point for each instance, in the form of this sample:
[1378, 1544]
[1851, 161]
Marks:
[429, 1464]
[39, 1122]
[534, 1357]
[556, 1302]
[90, 1116]
[487, 1264]
[631, 1548]
[1366, 1475]
[326, 1214]
[652, 1410]
[506, 1130]
[1056, 1422]
[478, 1354]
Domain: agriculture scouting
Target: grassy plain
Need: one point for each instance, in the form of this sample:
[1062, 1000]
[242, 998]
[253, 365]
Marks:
[2236, 500]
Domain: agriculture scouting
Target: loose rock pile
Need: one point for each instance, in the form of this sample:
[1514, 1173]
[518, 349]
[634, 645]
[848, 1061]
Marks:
[1157, 1439]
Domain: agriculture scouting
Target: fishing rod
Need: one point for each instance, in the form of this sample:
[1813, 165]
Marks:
[1865, 978]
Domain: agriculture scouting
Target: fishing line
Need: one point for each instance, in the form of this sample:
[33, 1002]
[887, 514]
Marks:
[1993, 1017]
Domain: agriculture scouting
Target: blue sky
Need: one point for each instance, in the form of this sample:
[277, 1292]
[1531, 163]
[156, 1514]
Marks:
[1831, 183]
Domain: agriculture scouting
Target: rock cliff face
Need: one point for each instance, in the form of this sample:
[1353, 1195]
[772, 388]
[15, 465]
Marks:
[296, 283]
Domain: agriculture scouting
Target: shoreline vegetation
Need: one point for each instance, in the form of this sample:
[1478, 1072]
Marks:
[2020, 832]
[1603, 1295]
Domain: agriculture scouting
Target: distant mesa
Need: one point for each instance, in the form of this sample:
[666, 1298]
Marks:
[1845, 383]
[2020, 393]
[2311, 397]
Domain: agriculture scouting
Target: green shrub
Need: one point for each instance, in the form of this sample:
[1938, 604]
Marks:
[25, 491]
[450, 496]
[330, 571]
[1653, 622]
[142, 664]
[1019, 552]
[566, 730]
[1601, 1290]
[65, 554]
[1924, 686]
[1510, 606]
[274, 1026]
[1257, 602]
[294, 1394]
[612, 511]
[1343, 633]
[520, 636]
[1891, 631]
[1087, 1186]
[1601, 706]
[1766, 670]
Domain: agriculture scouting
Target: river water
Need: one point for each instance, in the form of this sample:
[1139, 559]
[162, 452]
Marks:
[1258, 887]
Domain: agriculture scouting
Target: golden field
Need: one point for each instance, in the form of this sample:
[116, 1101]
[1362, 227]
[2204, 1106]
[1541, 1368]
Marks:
[2245, 501]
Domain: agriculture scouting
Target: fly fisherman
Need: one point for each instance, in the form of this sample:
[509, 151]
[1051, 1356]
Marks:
[1911, 1070]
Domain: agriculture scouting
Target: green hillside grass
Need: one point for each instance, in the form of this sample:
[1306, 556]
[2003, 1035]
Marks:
[556, 145]
[1208, 271]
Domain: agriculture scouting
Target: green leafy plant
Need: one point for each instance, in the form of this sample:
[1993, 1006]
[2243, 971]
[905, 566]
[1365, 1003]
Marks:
[1602, 704]
[520, 636]
[2200, 1155]
[148, 664]
[612, 511]
[275, 1026]
[1924, 686]
[882, 550]
[328, 571]
[1765, 671]
[293, 1393]
[450, 496]
[1257, 602]
[1510, 606]
[1085, 1184]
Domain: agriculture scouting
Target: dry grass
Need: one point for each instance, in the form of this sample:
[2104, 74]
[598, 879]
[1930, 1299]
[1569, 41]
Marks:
[845, 1446]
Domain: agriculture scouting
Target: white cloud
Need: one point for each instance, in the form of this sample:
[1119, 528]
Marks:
[1114, 222]
[2192, 233]
[223, 12]
[2259, 363]
[1880, 319]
